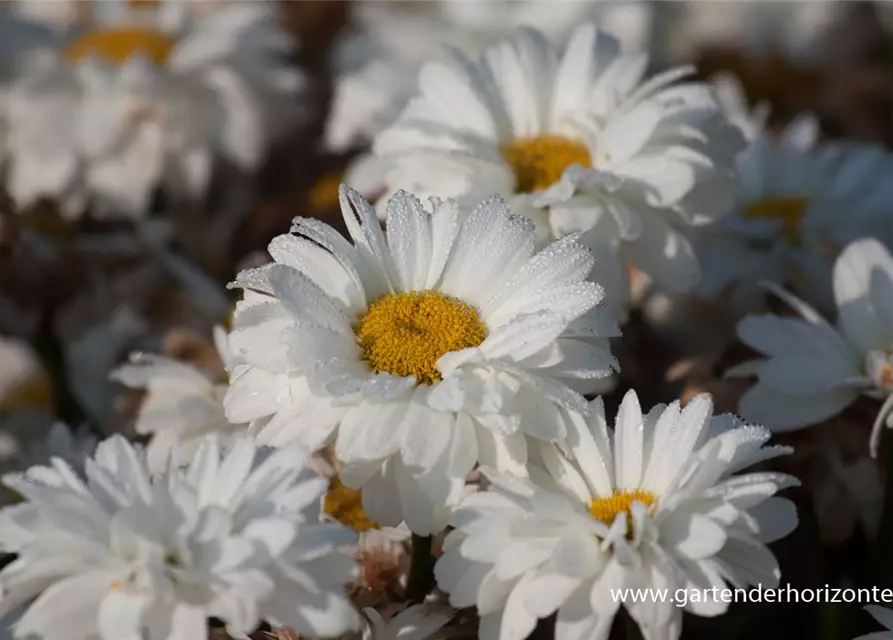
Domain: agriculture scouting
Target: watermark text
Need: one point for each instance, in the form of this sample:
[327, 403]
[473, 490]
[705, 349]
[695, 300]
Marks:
[781, 595]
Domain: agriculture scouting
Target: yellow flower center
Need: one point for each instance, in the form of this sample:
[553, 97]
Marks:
[787, 209]
[34, 394]
[539, 162]
[119, 44]
[607, 509]
[405, 334]
[346, 506]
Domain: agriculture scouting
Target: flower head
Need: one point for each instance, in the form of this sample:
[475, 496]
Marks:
[813, 370]
[377, 65]
[446, 341]
[138, 99]
[798, 203]
[655, 503]
[576, 140]
[123, 553]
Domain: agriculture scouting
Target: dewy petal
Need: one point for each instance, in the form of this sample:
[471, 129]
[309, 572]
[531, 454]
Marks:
[369, 432]
[427, 434]
[409, 240]
[628, 442]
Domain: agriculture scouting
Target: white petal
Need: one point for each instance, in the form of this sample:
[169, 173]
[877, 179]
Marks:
[628, 442]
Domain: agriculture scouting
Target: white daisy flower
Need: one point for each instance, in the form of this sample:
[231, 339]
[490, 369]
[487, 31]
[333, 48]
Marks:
[419, 352]
[885, 617]
[183, 405]
[653, 504]
[377, 61]
[418, 622]
[797, 204]
[577, 141]
[125, 554]
[142, 97]
[813, 370]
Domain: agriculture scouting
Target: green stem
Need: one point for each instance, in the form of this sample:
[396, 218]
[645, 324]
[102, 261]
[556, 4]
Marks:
[421, 569]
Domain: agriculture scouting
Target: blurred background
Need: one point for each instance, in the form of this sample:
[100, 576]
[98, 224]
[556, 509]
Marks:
[150, 149]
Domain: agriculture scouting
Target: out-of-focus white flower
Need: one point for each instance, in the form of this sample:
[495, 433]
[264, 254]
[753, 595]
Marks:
[792, 29]
[813, 370]
[657, 503]
[885, 617]
[577, 141]
[798, 204]
[732, 100]
[418, 622]
[182, 406]
[377, 62]
[123, 553]
[138, 98]
[446, 341]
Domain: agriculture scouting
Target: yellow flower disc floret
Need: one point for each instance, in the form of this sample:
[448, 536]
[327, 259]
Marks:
[405, 334]
[120, 44]
[788, 210]
[607, 509]
[346, 506]
[539, 162]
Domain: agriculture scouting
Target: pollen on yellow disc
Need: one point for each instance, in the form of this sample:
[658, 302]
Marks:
[346, 506]
[32, 394]
[788, 210]
[324, 194]
[119, 44]
[405, 334]
[539, 162]
[607, 509]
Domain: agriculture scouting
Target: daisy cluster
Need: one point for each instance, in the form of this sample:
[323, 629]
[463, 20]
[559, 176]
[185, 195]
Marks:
[430, 415]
